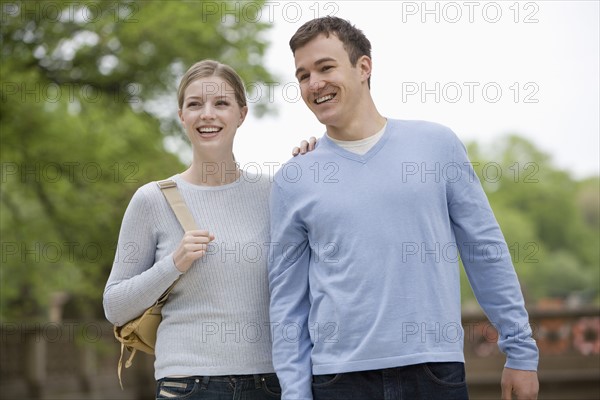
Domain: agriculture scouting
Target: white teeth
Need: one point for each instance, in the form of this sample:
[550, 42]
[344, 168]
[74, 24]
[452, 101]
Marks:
[324, 99]
[209, 130]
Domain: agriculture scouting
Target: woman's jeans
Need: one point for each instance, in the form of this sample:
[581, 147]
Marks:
[429, 381]
[234, 387]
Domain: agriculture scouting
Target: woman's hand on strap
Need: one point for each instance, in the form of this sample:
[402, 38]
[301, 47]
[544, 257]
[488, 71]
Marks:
[192, 247]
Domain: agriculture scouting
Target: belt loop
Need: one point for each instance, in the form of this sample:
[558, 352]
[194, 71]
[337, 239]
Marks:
[205, 380]
[257, 381]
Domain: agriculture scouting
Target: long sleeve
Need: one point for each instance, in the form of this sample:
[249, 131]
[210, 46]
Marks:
[289, 258]
[216, 320]
[488, 264]
[137, 280]
[370, 250]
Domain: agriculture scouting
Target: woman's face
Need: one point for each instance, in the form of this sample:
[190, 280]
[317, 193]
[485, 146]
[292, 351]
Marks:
[210, 115]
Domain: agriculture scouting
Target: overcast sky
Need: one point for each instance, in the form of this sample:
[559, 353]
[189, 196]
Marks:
[482, 68]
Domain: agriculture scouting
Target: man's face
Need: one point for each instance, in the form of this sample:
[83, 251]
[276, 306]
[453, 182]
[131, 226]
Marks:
[330, 85]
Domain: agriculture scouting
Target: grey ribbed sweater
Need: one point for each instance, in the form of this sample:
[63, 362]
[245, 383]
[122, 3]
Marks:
[216, 320]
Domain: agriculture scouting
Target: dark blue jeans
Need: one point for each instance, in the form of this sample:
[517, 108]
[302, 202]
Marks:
[429, 381]
[234, 387]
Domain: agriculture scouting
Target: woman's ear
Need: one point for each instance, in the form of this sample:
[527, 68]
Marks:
[243, 113]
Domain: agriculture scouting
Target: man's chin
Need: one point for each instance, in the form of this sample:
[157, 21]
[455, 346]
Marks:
[321, 115]
[323, 118]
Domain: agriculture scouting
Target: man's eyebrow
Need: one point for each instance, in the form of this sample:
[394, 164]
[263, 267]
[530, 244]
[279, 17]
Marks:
[319, 61]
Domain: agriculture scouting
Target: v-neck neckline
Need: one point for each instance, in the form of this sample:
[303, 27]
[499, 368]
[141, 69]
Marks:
[361, 158]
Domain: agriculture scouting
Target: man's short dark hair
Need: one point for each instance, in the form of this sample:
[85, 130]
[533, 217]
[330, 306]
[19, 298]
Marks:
[354, 40]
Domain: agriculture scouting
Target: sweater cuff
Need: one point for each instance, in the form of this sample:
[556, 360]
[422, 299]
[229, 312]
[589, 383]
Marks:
[170, 269]
[525, 365]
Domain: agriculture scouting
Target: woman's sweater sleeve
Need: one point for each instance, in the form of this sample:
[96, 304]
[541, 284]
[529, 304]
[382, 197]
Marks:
[137, 279]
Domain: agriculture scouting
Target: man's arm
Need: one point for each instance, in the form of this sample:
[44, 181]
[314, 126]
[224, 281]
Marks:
[289, 256]
[491, 274]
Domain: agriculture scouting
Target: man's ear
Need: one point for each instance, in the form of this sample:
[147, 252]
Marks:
[365, 65]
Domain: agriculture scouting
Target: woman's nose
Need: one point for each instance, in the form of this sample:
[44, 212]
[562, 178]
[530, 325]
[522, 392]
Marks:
[207, 112]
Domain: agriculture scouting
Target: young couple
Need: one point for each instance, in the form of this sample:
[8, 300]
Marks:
[304, 288]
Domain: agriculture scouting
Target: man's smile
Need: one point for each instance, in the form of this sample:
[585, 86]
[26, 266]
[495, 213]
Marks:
[325, 98]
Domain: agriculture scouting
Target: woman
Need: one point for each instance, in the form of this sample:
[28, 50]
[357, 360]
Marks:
[214, 338]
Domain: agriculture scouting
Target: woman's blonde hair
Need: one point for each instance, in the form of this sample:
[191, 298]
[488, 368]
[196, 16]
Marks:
[208, 68]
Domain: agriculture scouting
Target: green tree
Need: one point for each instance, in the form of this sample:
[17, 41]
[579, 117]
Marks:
[81, 130]
[549, 219]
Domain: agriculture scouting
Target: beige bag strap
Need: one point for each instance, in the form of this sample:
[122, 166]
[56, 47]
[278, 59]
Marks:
[182, 212]
[127, 363]
[185, 218]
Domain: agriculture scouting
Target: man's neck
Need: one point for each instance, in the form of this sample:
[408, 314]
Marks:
[357, 128]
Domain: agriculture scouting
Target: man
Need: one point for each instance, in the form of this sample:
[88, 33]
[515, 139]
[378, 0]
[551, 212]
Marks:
[366, 230]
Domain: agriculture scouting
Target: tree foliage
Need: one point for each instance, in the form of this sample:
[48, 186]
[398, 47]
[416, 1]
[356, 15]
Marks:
[83, 124]
[80, 130]
[549, 219]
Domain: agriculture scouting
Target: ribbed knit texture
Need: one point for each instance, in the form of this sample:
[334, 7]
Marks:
[215, 321]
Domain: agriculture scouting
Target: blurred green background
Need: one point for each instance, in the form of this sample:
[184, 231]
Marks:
[81, 132]
[78, 139]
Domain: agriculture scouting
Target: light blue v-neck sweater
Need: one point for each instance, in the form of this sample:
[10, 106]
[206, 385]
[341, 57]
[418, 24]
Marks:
[363, 266]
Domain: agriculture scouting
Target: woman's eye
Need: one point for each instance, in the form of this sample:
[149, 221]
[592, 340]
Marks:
[222, 103]
[325, 68]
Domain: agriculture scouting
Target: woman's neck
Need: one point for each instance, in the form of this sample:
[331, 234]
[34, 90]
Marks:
[215, 172]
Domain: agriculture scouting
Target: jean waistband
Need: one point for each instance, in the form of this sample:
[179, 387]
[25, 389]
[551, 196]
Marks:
[205, 380]
[228, 378]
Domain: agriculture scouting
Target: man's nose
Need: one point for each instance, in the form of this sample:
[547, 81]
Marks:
[316, 85]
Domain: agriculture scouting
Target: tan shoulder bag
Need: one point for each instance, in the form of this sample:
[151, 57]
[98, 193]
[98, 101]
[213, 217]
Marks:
[140, 333]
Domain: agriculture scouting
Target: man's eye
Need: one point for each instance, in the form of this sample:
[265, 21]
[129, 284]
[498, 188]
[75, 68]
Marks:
[222, 103]
[303, 77]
